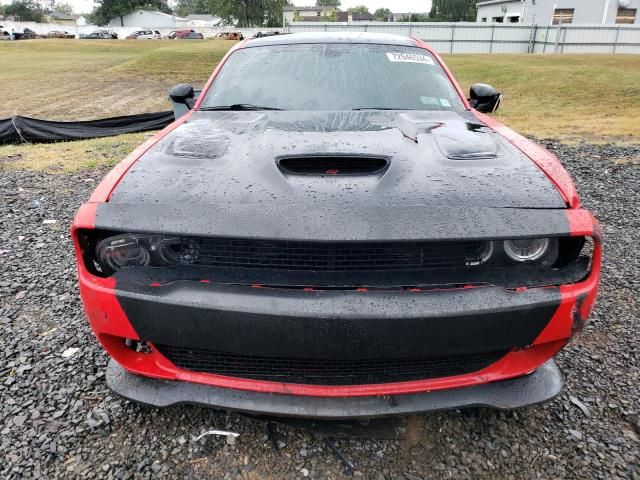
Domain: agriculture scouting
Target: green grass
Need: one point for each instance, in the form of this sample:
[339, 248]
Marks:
[70, 156]
[593, 98]
[84, 79]
[570, 97]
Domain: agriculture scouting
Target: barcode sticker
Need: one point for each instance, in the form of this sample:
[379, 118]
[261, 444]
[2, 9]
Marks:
[410, 58]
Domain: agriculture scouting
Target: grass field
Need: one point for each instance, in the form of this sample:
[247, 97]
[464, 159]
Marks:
[569, 97]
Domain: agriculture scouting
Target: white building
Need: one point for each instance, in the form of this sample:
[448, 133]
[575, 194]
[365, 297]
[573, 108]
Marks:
[553, 12]
[202, 20]
[147, 19]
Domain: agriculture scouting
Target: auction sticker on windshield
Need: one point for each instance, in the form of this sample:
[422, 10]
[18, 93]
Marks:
[410, 58]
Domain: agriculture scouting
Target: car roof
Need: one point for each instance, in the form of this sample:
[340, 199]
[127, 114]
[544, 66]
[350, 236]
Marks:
[332, 37]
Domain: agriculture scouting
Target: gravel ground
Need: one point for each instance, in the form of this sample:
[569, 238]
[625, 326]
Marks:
[58, 419]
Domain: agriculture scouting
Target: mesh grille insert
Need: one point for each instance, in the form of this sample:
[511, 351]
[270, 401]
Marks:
[327, 372]
[326, 256]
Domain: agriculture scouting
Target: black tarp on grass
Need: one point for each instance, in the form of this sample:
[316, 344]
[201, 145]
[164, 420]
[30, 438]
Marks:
[25, 129]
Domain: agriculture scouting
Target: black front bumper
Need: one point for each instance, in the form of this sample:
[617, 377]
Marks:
[542, 385]
[341, 325]
[334, 337]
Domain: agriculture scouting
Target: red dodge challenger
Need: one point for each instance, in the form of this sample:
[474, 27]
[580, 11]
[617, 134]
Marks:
[333, 230]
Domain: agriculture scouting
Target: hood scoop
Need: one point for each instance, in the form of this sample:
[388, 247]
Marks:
[333, 165]
[471, 143]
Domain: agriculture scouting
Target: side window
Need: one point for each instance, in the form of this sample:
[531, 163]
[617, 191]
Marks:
[626, 15]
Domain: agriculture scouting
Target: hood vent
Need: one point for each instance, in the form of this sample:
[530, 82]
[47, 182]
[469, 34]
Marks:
[333, 165]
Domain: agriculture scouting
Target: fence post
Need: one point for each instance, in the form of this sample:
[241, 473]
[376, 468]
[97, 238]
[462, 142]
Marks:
[546, 39]
[532, 38]
[410, 28]
[615, 42]
[555, 50]
[493, 31]
[453, 32]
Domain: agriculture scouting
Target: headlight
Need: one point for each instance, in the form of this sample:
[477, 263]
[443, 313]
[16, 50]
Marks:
[122, 251]
[484, 255]
[526, 250]
[170, 250]
[140, 250]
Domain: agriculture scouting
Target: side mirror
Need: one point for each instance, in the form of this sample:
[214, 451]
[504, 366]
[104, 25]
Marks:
[484, 98]
[182, 93]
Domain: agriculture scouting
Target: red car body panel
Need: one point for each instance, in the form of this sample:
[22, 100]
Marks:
[111, 325]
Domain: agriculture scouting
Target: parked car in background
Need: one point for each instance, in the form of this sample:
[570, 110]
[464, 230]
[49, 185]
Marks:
[145, 35]
[101, 35]
[179, 33]
[230, 36]
[265, 34]
[333, 230]
[60, 34]
[192, 36]
[26, 34]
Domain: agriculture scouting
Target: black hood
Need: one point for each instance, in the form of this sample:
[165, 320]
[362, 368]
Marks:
[227, 162]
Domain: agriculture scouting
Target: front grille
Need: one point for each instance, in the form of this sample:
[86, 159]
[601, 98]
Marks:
[327, 372]
[326, 256]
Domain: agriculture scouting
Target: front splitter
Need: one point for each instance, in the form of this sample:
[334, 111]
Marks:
[542, 385]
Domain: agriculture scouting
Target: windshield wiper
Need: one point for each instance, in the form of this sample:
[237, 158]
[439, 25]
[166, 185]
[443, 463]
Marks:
[237, 107]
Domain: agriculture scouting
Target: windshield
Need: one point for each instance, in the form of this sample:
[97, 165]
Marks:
[333, 77]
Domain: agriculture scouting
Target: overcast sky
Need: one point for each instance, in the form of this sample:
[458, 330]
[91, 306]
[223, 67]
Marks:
[414, 6]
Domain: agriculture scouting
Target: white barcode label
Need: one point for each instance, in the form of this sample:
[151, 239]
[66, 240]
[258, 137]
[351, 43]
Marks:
[410, 58]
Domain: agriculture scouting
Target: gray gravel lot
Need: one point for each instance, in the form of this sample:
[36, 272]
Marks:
[58, 419]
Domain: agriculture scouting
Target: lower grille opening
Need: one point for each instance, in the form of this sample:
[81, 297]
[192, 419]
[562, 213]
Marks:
[327, 372]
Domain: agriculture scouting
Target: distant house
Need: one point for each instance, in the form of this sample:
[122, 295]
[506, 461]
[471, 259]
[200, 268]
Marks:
[291, 13]
[147, 19]
[61, 18]
[354, 17]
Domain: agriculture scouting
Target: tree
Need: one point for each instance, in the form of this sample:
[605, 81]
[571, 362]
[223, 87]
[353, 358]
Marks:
[187, 7]
[65, 8]
[331, 16]
[25, 10]
[248, 13]
[110, 9]
[382, 14]
[328, 3]
[359, 9]
[418, 17]
[453, 10]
